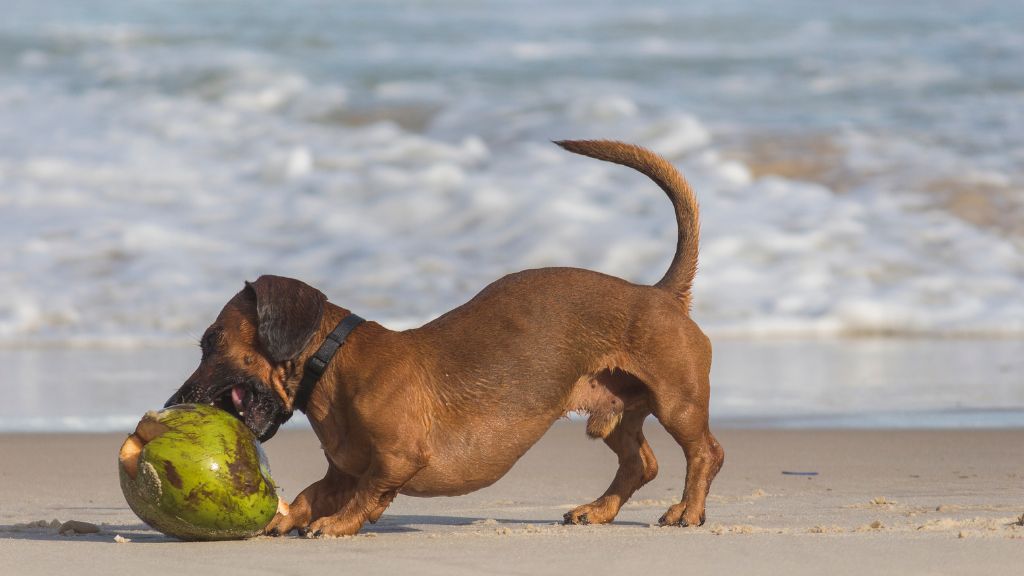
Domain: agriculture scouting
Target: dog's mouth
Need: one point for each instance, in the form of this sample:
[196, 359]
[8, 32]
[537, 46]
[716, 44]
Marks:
[258, 409]
[235, 400]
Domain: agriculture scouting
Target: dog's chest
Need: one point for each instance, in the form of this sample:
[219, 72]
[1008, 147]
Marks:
[345, 451]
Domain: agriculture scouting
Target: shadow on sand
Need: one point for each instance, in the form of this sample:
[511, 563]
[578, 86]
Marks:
[142, 534]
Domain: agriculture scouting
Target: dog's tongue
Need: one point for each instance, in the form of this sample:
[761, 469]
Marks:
[238, 398]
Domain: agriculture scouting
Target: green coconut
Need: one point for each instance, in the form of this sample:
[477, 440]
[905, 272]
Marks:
[195, 472]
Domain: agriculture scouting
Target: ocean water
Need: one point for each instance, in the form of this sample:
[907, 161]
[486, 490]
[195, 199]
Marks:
[860, 166]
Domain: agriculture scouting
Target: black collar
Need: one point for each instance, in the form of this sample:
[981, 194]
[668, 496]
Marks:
[318, 362]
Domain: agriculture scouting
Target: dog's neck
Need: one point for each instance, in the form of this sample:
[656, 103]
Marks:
[319, 398]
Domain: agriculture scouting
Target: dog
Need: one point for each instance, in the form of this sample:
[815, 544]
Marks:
[449, 407]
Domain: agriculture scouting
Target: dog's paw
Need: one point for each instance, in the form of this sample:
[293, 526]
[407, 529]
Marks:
[678, 515]
[569, 518]
[288, 517]
[333, 527]
[580, 520]
[600, 511]
[279, 526]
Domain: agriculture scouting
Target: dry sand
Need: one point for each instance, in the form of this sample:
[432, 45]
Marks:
[907, 502]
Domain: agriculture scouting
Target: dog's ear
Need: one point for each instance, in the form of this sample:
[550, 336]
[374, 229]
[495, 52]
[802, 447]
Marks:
[288, 312]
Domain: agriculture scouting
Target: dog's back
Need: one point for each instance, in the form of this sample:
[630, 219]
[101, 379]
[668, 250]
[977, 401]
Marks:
[534, 318]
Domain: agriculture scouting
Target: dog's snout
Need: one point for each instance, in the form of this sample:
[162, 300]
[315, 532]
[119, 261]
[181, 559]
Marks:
[178, 397]
[175, 399]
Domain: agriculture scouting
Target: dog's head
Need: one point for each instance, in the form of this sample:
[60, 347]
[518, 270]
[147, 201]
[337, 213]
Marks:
[250, 357]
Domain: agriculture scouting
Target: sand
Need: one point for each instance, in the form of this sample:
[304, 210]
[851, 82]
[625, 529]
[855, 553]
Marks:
[900, 502]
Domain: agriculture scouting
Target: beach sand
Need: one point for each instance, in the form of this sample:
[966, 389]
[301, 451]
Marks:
[899, 502]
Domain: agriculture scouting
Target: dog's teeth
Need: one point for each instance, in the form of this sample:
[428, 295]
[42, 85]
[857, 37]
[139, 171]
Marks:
[242, 414]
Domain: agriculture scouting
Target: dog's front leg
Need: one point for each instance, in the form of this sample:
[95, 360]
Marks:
[321, 498]
[372, 494]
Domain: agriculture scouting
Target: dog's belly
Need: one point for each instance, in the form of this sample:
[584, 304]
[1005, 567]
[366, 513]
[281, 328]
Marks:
[434, 481]
[466, 460]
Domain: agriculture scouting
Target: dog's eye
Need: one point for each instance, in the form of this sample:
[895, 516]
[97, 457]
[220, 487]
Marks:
[209, 342]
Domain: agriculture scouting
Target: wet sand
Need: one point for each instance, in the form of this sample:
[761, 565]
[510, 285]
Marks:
[906, 502]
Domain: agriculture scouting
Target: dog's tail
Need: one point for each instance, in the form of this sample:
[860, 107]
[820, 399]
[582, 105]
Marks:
[679, 278]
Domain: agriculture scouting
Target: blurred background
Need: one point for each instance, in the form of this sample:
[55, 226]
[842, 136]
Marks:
[860, 168]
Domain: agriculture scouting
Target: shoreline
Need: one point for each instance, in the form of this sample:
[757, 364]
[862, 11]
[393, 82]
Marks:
[755, 383]
[1006, 419]
[903, 502]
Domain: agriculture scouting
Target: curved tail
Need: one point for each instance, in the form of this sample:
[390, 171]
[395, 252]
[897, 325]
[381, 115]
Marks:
[679, 278]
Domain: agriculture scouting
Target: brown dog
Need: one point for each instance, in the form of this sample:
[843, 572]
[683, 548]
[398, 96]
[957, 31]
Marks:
[449, 407]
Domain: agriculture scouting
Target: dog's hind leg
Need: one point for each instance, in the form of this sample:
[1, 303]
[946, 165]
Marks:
[704, 458]
[676, 372]
[683, 411]
[637, 466]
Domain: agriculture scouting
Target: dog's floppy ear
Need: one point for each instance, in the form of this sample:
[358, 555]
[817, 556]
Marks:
[288, 312]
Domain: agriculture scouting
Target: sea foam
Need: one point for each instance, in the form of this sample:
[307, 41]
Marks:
[151, 161]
